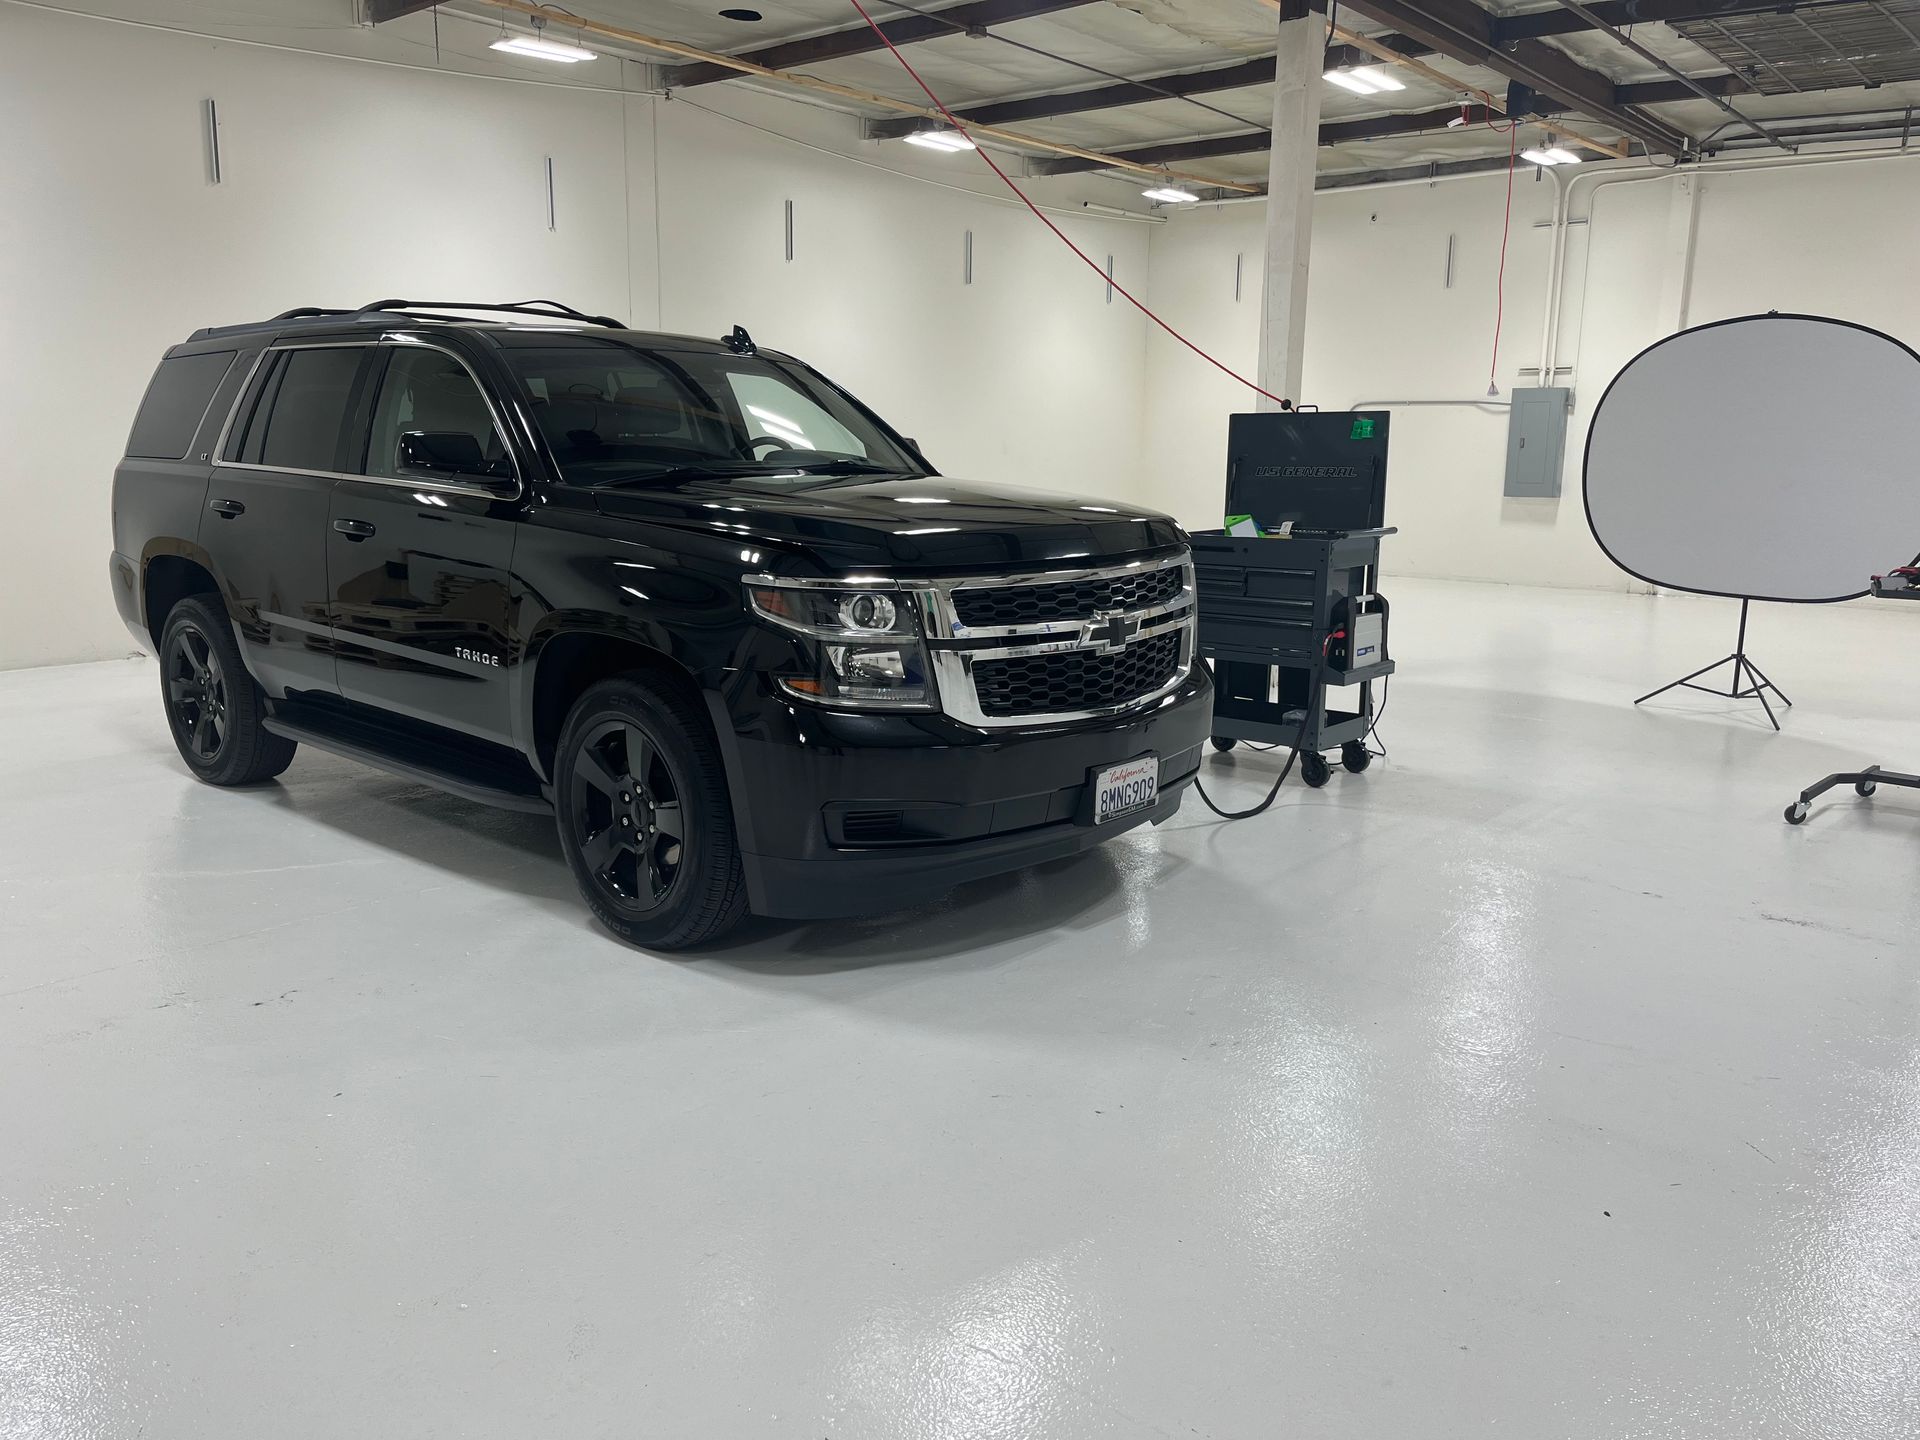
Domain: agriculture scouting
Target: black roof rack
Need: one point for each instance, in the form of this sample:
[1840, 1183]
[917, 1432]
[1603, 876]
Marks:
[547, 309]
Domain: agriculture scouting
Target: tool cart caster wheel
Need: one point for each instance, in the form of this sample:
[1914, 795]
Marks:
[1314, 769]
[1797, 812]
[1864, 788]
[1223, 742]
[1355, 756]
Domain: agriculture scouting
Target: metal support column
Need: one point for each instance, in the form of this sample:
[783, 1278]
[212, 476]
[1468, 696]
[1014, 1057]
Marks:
[1291, 169]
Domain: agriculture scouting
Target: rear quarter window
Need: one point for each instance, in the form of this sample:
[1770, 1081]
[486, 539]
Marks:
[176, 401]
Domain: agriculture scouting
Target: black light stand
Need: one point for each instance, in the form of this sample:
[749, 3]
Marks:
[1902, 584]
[1742, 666]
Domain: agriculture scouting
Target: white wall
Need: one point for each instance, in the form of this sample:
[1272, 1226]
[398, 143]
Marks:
[345, 181]
[1383, 326]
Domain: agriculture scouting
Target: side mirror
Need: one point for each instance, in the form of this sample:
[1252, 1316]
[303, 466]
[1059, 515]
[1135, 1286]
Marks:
[449, 452]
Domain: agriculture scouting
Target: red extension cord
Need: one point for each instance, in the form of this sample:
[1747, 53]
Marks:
[1086, 258]
[1500, 286]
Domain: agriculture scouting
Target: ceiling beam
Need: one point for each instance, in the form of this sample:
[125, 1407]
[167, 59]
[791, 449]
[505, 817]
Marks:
[1534, 26]
[1245, 73]
[1463, 31]
[860, 39]
[815, 84]
[1667, 92]
[1131, 92]
[1253, 142]
[381, 11]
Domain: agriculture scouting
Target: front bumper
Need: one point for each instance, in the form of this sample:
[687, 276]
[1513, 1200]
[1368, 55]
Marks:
[842, 814]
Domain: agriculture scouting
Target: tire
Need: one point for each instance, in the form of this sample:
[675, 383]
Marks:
[1355, 756]
[635, 758]
[214, 707]
[1797, 813]
[1865, 788]
[1223, 743]
[1314, 768]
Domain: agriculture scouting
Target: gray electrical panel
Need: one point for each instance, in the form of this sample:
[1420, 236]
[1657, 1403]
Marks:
[1537, 441]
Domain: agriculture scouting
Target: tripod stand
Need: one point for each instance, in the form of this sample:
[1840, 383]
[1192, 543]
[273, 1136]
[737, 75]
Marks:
[1756, 684]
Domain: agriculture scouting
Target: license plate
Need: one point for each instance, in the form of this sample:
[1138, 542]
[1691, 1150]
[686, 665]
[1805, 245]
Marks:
[1121, 790]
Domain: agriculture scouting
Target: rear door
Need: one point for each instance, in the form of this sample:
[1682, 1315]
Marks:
[418, 559]
[265, 526]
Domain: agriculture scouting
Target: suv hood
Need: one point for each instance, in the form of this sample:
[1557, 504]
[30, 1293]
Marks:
[908, 523]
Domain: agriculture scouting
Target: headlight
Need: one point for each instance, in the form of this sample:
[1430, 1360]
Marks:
[862, 644]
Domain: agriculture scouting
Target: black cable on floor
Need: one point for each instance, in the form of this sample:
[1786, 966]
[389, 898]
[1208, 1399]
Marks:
[1368, 737]
[1272, 794]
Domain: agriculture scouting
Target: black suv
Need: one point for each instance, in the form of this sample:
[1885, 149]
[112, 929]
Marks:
[689, 595]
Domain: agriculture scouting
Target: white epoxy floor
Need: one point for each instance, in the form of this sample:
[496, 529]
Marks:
[1540, 1082]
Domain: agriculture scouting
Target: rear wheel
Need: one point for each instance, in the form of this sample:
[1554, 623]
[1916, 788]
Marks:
[641, 800]
[213, 706]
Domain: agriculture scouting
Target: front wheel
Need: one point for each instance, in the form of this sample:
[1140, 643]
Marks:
[641, 800]
[1314, 768]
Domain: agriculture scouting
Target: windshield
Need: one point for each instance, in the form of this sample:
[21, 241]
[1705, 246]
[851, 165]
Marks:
[615, 413]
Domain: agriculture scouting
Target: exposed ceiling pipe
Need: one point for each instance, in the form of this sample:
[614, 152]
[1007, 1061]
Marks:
[1687, 80]
[845, 92]
[1496, 103]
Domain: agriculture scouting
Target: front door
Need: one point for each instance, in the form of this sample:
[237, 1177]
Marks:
[418, 560]
[265, 526]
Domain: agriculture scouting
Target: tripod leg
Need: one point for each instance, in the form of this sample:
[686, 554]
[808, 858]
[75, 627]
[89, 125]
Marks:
[1768, 683]
[1760, 694]
[1683, 680]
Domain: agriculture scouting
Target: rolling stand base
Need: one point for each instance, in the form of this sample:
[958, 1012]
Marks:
[1746, 683]
[1864, 783]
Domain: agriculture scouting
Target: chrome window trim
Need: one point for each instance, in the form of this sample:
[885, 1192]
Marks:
[438, 487]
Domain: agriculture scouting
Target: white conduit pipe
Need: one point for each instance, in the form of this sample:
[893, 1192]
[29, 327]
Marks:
[1604, 175]
[1563, 203]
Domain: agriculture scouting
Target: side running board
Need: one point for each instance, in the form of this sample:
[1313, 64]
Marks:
[455, 765]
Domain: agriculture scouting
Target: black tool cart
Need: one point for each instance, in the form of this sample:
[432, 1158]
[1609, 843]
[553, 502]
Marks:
[1286, 624]
[1290, 614]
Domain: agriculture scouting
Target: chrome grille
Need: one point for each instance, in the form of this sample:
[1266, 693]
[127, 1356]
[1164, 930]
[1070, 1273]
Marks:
[1066, 599]
[1066, 681]
[1062, 645]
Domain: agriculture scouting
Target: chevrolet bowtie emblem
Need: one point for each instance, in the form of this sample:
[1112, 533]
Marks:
[1112, 632]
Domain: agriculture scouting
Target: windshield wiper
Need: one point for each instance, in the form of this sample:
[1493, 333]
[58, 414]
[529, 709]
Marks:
[676, 474]
[849, 467]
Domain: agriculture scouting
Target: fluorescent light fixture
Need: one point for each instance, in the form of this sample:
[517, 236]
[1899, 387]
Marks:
[538, 47]
[1366, 80]
[1167, 195]
[948, 140]
[1552, 155]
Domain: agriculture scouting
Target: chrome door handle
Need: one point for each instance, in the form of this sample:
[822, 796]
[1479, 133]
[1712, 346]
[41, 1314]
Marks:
[226, 509]
[353, 529]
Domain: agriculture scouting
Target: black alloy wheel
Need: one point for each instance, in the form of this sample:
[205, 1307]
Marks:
[196, 691]
[626, 814]
[640, 800]
[215, 710]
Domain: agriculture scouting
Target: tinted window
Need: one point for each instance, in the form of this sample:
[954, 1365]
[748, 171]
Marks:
[178, 397]
[430, 392]
[612, 412]
[297, 419]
